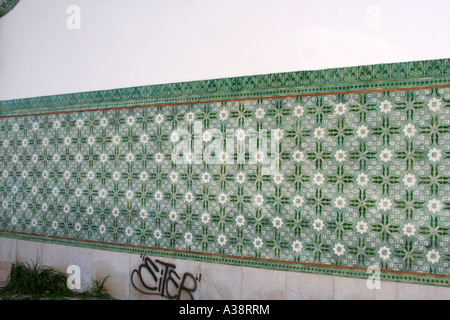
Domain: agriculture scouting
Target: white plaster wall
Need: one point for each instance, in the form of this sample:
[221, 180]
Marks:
[217, 282]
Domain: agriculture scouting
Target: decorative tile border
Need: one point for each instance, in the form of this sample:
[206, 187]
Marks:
[6, 6]
[330, 171]
[373, 77]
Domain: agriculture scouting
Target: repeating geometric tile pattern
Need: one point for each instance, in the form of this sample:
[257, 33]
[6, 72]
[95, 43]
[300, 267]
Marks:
[363, 179]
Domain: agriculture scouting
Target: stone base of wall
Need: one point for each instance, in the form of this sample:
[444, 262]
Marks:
[203, 281]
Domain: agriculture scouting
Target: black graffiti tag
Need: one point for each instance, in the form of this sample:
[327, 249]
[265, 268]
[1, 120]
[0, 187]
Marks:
[160, 278]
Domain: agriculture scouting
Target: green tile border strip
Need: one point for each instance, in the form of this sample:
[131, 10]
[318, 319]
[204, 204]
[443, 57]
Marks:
[327, 81]
[6, 6]
[331, 270]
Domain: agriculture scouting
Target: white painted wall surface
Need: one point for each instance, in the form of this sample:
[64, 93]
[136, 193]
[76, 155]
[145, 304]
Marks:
[123, 43]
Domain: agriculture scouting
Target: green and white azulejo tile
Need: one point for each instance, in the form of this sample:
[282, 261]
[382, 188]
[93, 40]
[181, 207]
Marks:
[331, 172]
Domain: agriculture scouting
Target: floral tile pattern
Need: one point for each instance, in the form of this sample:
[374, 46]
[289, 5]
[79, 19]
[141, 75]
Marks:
[323, 182]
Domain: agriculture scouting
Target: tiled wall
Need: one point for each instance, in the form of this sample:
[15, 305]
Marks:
[331, 179]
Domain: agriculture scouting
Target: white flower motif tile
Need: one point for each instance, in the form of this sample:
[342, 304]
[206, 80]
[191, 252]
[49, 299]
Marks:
[328, 182]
